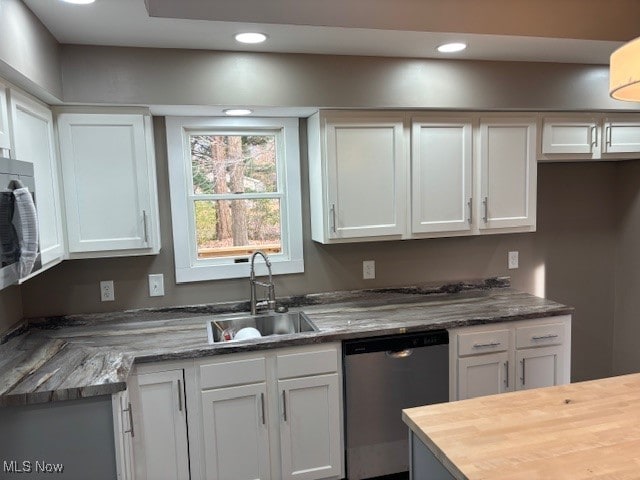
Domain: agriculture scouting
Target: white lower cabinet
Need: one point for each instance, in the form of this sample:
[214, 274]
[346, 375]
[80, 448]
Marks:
[273, 415]
[486, 359]
[159, 436]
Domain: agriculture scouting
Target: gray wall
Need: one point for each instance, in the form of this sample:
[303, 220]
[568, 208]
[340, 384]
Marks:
[567, 242]
[29, 54]
[199, 77]
[10, 307]
[626, 353]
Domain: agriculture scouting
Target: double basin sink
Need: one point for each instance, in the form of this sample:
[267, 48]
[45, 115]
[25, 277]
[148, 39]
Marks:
[223, 329]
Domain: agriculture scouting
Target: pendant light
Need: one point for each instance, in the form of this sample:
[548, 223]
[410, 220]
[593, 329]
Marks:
[624, 72]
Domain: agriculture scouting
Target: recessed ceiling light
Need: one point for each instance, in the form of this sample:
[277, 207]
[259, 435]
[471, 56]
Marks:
[452, 47]
[237, 112]
[250, 37]
[79, 2]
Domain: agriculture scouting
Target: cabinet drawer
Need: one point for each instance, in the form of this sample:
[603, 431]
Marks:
[540, 335]
[312, 363]
[483, 342]
[238, 372]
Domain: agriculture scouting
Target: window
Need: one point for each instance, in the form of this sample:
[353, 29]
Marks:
[235, 188]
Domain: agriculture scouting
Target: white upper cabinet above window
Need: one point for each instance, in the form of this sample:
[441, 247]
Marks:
[108, 171]
[589, 137]
[358, 176]
[5, 137]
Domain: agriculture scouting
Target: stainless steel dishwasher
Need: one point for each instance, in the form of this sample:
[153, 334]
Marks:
[382, 376]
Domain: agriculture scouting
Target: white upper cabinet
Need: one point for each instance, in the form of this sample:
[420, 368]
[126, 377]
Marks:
[508, 174]
[33, 141]
[441, 175]
[5, 136]
[621, 136]
[109, 180]
[358, 176]
[590, 137]
[567, 135]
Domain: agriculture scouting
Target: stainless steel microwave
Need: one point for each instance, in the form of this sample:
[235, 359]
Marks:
[19, 240]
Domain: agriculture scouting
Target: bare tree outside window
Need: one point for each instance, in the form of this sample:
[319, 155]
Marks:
[235, 194]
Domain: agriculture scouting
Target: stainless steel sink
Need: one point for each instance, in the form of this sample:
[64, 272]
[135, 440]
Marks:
[267, 324]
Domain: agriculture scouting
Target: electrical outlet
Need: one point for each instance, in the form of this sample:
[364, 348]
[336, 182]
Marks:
[156, 285]
[107, 293]
[369, 269]
[513, 260]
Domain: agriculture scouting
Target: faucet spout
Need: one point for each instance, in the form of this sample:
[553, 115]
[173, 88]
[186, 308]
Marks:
[270, 302]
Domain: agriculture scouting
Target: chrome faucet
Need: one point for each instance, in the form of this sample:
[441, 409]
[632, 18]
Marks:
[270, 302]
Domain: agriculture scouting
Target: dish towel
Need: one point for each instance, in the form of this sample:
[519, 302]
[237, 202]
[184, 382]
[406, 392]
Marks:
[26, 221]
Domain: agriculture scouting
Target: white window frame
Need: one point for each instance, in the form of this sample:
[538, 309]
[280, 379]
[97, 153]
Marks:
[188, 267]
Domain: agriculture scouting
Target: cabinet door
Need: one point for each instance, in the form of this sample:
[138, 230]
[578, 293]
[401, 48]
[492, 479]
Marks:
[123, 435]
[160, 426]
[5, 136]
[621, 137]
[483, 375]
[366, 182]
[539, 367]
[441, 169]
[106, 182]
[236, 435]
[508, 173]
[561, 136]
[34, 142]
[310, 423]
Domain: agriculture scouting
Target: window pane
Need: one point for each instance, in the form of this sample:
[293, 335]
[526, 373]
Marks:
[235, 228]
[233, 163]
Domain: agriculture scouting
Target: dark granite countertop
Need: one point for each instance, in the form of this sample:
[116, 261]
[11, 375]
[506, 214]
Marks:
[81, 356]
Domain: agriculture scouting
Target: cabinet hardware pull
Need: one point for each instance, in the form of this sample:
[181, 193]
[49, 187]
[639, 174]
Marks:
[594, 136]
[609, 135]
[146, 228]
[333, 217]
[544, 337]
[128, 409]
[179, 395]
[523, 370]
[506, 378]
[262, 406]
[284, 405]
[485, 202]
[470, 203]
[490, 344]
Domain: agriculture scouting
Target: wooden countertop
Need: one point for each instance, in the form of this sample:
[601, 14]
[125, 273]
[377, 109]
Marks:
[577, 431]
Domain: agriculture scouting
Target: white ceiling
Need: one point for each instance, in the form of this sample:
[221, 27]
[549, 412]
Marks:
[127, 23]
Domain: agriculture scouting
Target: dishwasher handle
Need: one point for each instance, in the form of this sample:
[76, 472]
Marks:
[400, 353]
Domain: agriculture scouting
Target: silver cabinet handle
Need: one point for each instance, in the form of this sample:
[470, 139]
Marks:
[128, 409]
[284, 405]
[523, 372]
[333, 217]
[262, 405]
[609, 135]
[485, 202]
[400, 354]
[179, 395]
[594, 136]
[470, 204]
[482, 345]
[544, 337]
[146, 228]
[506, 372]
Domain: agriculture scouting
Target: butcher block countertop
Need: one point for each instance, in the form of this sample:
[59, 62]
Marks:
[587, 430]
